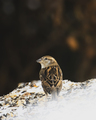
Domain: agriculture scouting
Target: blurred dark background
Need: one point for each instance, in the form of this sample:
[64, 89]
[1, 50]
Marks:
[30, 29]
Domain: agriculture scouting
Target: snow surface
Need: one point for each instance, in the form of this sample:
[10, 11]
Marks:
[73, 104]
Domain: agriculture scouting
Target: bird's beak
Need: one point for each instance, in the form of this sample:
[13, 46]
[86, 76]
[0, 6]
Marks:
[38, 61]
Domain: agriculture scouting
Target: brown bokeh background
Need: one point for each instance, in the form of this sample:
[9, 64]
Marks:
[30, 29]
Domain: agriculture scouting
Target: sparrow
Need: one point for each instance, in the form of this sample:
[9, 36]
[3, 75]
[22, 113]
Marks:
[51, 76]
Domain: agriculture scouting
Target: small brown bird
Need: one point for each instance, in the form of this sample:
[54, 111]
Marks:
[50, 75]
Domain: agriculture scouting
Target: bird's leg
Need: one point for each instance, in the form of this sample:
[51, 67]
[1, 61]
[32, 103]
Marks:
[54, 94]
[58, 91]
[53, 91]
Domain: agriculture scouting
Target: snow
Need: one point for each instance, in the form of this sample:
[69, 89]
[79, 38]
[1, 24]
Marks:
[68, 110]
[74, 103]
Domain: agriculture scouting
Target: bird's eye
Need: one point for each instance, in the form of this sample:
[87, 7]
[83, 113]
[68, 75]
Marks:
[45, 59]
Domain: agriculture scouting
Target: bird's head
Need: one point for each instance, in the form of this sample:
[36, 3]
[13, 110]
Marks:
[47, 61]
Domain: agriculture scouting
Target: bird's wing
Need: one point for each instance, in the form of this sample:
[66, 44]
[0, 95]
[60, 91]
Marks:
[52, 75]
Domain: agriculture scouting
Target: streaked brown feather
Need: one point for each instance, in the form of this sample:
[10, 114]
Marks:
[51, 76]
